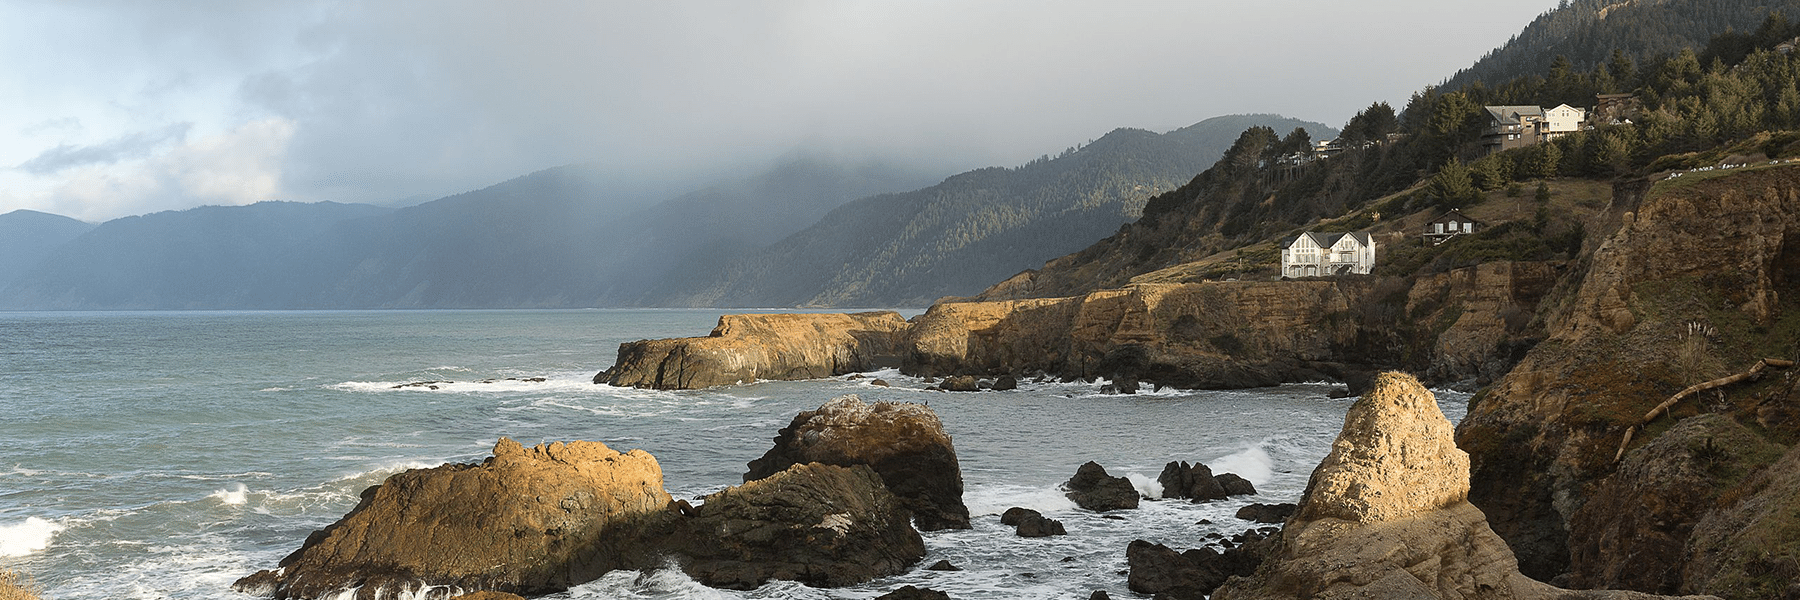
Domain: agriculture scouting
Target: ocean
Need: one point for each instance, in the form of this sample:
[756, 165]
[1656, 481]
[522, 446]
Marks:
[166, 454]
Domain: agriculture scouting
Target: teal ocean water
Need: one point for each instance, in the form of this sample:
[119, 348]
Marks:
[166, 454]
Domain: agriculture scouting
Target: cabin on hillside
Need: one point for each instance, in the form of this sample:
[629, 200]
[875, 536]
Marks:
[1452, 224]
[1561, 121]
[1316, 254]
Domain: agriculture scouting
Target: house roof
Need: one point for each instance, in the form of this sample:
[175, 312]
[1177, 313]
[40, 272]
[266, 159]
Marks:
[1327, 240]
[1456, 215]
[1510, 114]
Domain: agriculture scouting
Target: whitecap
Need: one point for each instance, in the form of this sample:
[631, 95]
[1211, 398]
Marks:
[233, 495]
[30, 536]
[993, 500]
[1250, 463]
[1145, 486]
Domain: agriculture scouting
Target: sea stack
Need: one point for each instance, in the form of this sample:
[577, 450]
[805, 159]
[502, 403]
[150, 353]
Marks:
[904, 443]
[1386, 515]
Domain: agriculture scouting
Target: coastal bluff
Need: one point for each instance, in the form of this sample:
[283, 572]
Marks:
[1206, 335]
[1386, 515]
[746, 348]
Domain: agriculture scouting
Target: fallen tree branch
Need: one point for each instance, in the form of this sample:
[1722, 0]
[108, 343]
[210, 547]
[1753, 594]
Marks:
[1663, 408]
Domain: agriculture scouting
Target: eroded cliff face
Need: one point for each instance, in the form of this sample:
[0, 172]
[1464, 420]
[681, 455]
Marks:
[745, 348]
[1468, 325]
[1696, 282]
[1385, 515]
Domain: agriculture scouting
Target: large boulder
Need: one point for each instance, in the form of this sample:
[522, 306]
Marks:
[745, 348]
[821, 525]
[1386, 515]
[524, 521]
[1091, 488]
[1162, 571]
[904, 443]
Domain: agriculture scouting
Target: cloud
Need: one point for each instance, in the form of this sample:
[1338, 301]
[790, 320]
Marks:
[240, 166]
[133, 145]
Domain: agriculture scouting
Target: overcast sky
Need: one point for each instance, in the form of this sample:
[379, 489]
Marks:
[120, 108]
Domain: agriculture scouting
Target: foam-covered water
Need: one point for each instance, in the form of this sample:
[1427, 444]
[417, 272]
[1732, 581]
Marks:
[165, 455]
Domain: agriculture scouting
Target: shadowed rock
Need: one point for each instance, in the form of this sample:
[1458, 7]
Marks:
[1160, 570]
[1091, 488]
[1182, 480]
[904, 443]
[1385, 515]
[821, 525]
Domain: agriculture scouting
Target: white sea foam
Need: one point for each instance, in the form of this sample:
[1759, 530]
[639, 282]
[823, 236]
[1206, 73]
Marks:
[993, 500]
[31, 535]
[233, 495]
[1146, 486]
[1250, 463]
[666, 582]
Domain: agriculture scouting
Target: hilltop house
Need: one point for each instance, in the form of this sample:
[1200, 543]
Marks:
[1519, 126]
[1452, 224]
[1313, 254]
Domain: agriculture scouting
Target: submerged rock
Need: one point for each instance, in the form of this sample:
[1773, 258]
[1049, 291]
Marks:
[1386, 515]
[904, 443]
[914, 593]
[1031, 523]
[1091, 488]
[1266, 513]
[961, 383]
[821, 525]
[525, 520]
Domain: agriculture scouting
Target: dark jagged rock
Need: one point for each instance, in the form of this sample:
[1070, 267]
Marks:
[914, 593]
[1160, 570]
[1234, 485]
[1014, 515]
[961, 383]
[1006, 382]
[1031, 523]
[523, 521]
[821, 525]
[1091, 488]
[904, 443]
[1099, 595]
[943, 565]
[1266, 513]
[1195, 481]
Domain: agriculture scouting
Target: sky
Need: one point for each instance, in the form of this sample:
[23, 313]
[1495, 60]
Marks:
[117, 108]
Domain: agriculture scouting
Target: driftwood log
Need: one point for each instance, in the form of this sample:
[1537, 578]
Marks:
[1691, 390]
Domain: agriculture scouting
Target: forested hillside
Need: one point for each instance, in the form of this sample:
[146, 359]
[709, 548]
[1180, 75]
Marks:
[972, 229]
[1688, 110]
[27, 236]
[1592, 33]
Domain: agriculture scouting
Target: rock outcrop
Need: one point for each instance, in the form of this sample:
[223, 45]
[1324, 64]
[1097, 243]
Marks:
[821, 525]
[1684, 282]
[522, 521]
[1030, 523]
[904, 443]
[1091, 488]
[1168, 574]
[1386, 515]
[745, 348]
[1198, 483]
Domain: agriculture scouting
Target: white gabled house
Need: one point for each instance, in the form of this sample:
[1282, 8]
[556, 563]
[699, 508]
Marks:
[1315, 254]
[1561, 121]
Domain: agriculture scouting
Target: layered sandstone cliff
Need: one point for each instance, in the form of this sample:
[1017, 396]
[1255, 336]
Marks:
[745, 348]
[1692, 280]
[1385, 515]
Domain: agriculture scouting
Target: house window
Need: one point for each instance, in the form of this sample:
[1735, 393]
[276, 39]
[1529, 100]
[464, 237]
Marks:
[1468, 227]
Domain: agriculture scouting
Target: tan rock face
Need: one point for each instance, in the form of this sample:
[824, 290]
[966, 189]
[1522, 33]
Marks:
[1395, 457]
[745, 348]
[904, 443]
[522, 521]
[1719, 253]
[1384, 517]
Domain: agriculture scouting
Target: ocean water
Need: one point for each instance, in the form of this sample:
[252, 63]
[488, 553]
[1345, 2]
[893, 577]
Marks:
[166, 454]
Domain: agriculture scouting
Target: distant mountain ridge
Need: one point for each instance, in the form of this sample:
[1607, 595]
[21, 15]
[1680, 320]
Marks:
[27, 237]
[959, 236]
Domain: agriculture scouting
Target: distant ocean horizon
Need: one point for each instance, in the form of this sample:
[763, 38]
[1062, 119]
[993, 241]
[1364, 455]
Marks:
[164, 454]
